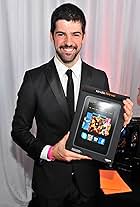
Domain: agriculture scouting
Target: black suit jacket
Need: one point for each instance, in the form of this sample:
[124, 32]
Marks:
[41, 96]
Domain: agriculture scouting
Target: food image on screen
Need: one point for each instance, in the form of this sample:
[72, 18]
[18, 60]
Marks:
[97, 124]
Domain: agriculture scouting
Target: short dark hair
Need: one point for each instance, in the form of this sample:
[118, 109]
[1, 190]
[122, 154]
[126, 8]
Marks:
[68, 12]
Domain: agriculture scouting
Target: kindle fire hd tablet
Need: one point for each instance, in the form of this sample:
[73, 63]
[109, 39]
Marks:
[97, 124]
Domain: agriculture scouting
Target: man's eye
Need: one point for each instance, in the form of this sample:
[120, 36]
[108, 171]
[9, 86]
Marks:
[77, 34]
[60, 34]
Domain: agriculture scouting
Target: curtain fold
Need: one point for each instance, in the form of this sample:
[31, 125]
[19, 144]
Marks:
[112, 44]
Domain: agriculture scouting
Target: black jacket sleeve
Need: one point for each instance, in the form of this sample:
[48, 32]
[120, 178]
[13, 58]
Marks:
[23, 119]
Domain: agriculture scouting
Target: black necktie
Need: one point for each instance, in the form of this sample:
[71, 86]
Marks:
[70, 94]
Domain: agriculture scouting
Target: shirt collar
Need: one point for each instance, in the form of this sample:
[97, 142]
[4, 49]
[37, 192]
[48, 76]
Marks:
[61, 68]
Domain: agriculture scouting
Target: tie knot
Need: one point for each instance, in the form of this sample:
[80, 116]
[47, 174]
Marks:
[69, 73]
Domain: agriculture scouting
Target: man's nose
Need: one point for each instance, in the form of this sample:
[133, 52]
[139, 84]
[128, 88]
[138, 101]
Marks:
[68, 40]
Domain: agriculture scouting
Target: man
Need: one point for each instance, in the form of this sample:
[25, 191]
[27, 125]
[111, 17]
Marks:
[59, 176]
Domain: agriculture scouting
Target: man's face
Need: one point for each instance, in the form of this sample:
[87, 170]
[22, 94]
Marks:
[68, 39]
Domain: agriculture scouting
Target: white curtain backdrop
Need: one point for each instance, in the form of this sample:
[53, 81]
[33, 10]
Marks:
[112, 44]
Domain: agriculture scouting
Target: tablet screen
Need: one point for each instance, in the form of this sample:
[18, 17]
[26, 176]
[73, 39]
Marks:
[96, 125]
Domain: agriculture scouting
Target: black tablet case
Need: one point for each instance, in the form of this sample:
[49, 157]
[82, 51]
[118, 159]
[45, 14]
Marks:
[97, 124]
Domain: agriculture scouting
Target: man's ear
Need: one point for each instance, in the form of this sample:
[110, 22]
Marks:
[51, 37]
[84, 37]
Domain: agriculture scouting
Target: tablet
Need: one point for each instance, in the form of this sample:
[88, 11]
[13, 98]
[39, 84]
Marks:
[97, 124]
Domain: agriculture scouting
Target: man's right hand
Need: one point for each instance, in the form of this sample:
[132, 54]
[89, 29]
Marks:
[59, 152]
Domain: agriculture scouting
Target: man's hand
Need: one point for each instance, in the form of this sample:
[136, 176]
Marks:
[128, 111]
[59, 151]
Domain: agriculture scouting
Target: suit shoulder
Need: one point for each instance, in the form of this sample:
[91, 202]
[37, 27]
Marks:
[93, 69]
[95, 77]
[39, 71]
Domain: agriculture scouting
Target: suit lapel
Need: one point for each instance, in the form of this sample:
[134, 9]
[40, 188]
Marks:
[55, 84]
[85, 75]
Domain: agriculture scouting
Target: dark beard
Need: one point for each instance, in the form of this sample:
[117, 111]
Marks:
[64, 60]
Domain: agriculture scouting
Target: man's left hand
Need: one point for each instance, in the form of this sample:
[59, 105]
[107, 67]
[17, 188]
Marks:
[128, 111]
